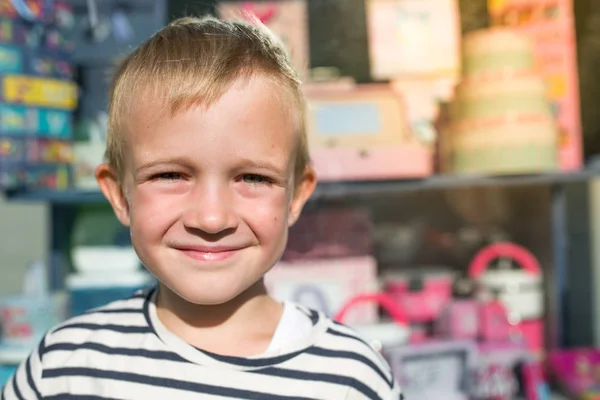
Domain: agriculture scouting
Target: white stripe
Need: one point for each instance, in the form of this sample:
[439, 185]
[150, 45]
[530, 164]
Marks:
[187, 372]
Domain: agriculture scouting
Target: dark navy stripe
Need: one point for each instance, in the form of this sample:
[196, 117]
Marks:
[115, 311]
[349, 355]
[106, 327]
[332, 331]
[251, 362]
[167, 383]
[147, 301]
[320, 377]
[117, 351]
[16, 387]
[68, 396]
[42, 349]
[314, 317]
[30, 380]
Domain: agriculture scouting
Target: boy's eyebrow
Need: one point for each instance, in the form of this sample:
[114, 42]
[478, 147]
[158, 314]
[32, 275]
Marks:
[244, 163]
[173, 160]
[249, 163]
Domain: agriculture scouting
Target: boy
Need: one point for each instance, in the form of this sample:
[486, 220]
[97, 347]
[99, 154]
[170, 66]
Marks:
[208, 166]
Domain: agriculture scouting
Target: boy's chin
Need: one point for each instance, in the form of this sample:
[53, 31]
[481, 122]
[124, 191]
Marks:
[210, 296]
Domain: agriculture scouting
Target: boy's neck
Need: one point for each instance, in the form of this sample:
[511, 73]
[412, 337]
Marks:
[241, 327]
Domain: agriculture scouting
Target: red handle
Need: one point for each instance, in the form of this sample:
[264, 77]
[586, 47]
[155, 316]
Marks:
[264, 14]
[384, 300]
[526, 260]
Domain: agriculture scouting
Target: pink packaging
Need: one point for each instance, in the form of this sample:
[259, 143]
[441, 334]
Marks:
[551, 26]
[287, 19]
[362, 133]
[459, 320]
[493, 322]
[496, 376]
[327, 285]
[534, 383]
[577, 370]
[330, 233]
[421, 295]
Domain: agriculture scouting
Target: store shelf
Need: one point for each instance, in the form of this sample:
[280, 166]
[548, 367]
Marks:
[440, 182]
[330, 190]
[56, 196]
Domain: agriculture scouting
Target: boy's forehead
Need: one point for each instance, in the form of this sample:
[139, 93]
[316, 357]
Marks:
[253, 114]
[153, 100]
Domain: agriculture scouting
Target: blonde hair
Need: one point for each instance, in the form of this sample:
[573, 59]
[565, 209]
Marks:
[194, 61]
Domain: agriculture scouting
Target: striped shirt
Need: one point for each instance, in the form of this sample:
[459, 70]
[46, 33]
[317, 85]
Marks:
[122, 351]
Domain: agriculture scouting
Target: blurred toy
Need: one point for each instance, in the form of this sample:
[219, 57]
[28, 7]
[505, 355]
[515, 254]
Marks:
[422, 294]
[327, 285]
[360, 132]
[287, 19]
[330, 233]
[382, 334]
[550, 26]
[518, 289]
[577, 371]
[434, 370]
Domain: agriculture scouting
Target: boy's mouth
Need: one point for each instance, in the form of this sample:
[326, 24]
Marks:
[209, 253]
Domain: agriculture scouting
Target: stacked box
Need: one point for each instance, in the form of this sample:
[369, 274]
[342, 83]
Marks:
[37, 96]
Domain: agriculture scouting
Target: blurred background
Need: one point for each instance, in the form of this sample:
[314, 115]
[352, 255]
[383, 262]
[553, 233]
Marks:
[456, 144]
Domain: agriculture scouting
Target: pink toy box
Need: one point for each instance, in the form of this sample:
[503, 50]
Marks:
[287, 19]
[459, 319]
[327, 285]
[578, 372]
[550, 23]
[498, 370]
[360, 132]
[422, 296]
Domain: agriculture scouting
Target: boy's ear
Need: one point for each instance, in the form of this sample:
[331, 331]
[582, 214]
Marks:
[304, 189]
[113, 191]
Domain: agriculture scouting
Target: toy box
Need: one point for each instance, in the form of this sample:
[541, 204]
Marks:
[417, 38]
[40, 92]
[22, 121]
[55, 13]
[550, 24]
[359, 132]
[19, 34]
[327, 285]
[287, 19]
[434, 370]
[24, 320]
[20, 60]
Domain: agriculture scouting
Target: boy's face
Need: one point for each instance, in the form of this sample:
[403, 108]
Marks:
[210, 194]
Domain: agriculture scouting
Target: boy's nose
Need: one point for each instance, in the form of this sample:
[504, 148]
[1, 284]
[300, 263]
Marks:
[211, 211]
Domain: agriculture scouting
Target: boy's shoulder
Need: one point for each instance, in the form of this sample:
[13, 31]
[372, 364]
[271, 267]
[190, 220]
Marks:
[342, 345]
[111, 321]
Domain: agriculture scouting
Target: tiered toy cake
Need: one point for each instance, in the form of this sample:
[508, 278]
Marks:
[502, 122]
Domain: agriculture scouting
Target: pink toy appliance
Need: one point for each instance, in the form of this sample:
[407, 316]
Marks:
[519, 289]
[422, 294]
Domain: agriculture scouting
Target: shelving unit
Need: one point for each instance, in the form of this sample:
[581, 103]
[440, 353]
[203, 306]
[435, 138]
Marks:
[63, 206]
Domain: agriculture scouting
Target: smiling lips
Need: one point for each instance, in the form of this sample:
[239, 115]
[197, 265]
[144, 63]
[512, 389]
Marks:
[209, 253]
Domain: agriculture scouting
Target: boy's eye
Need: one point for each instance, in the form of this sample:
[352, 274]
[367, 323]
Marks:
[254, 179]
[169, 176]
